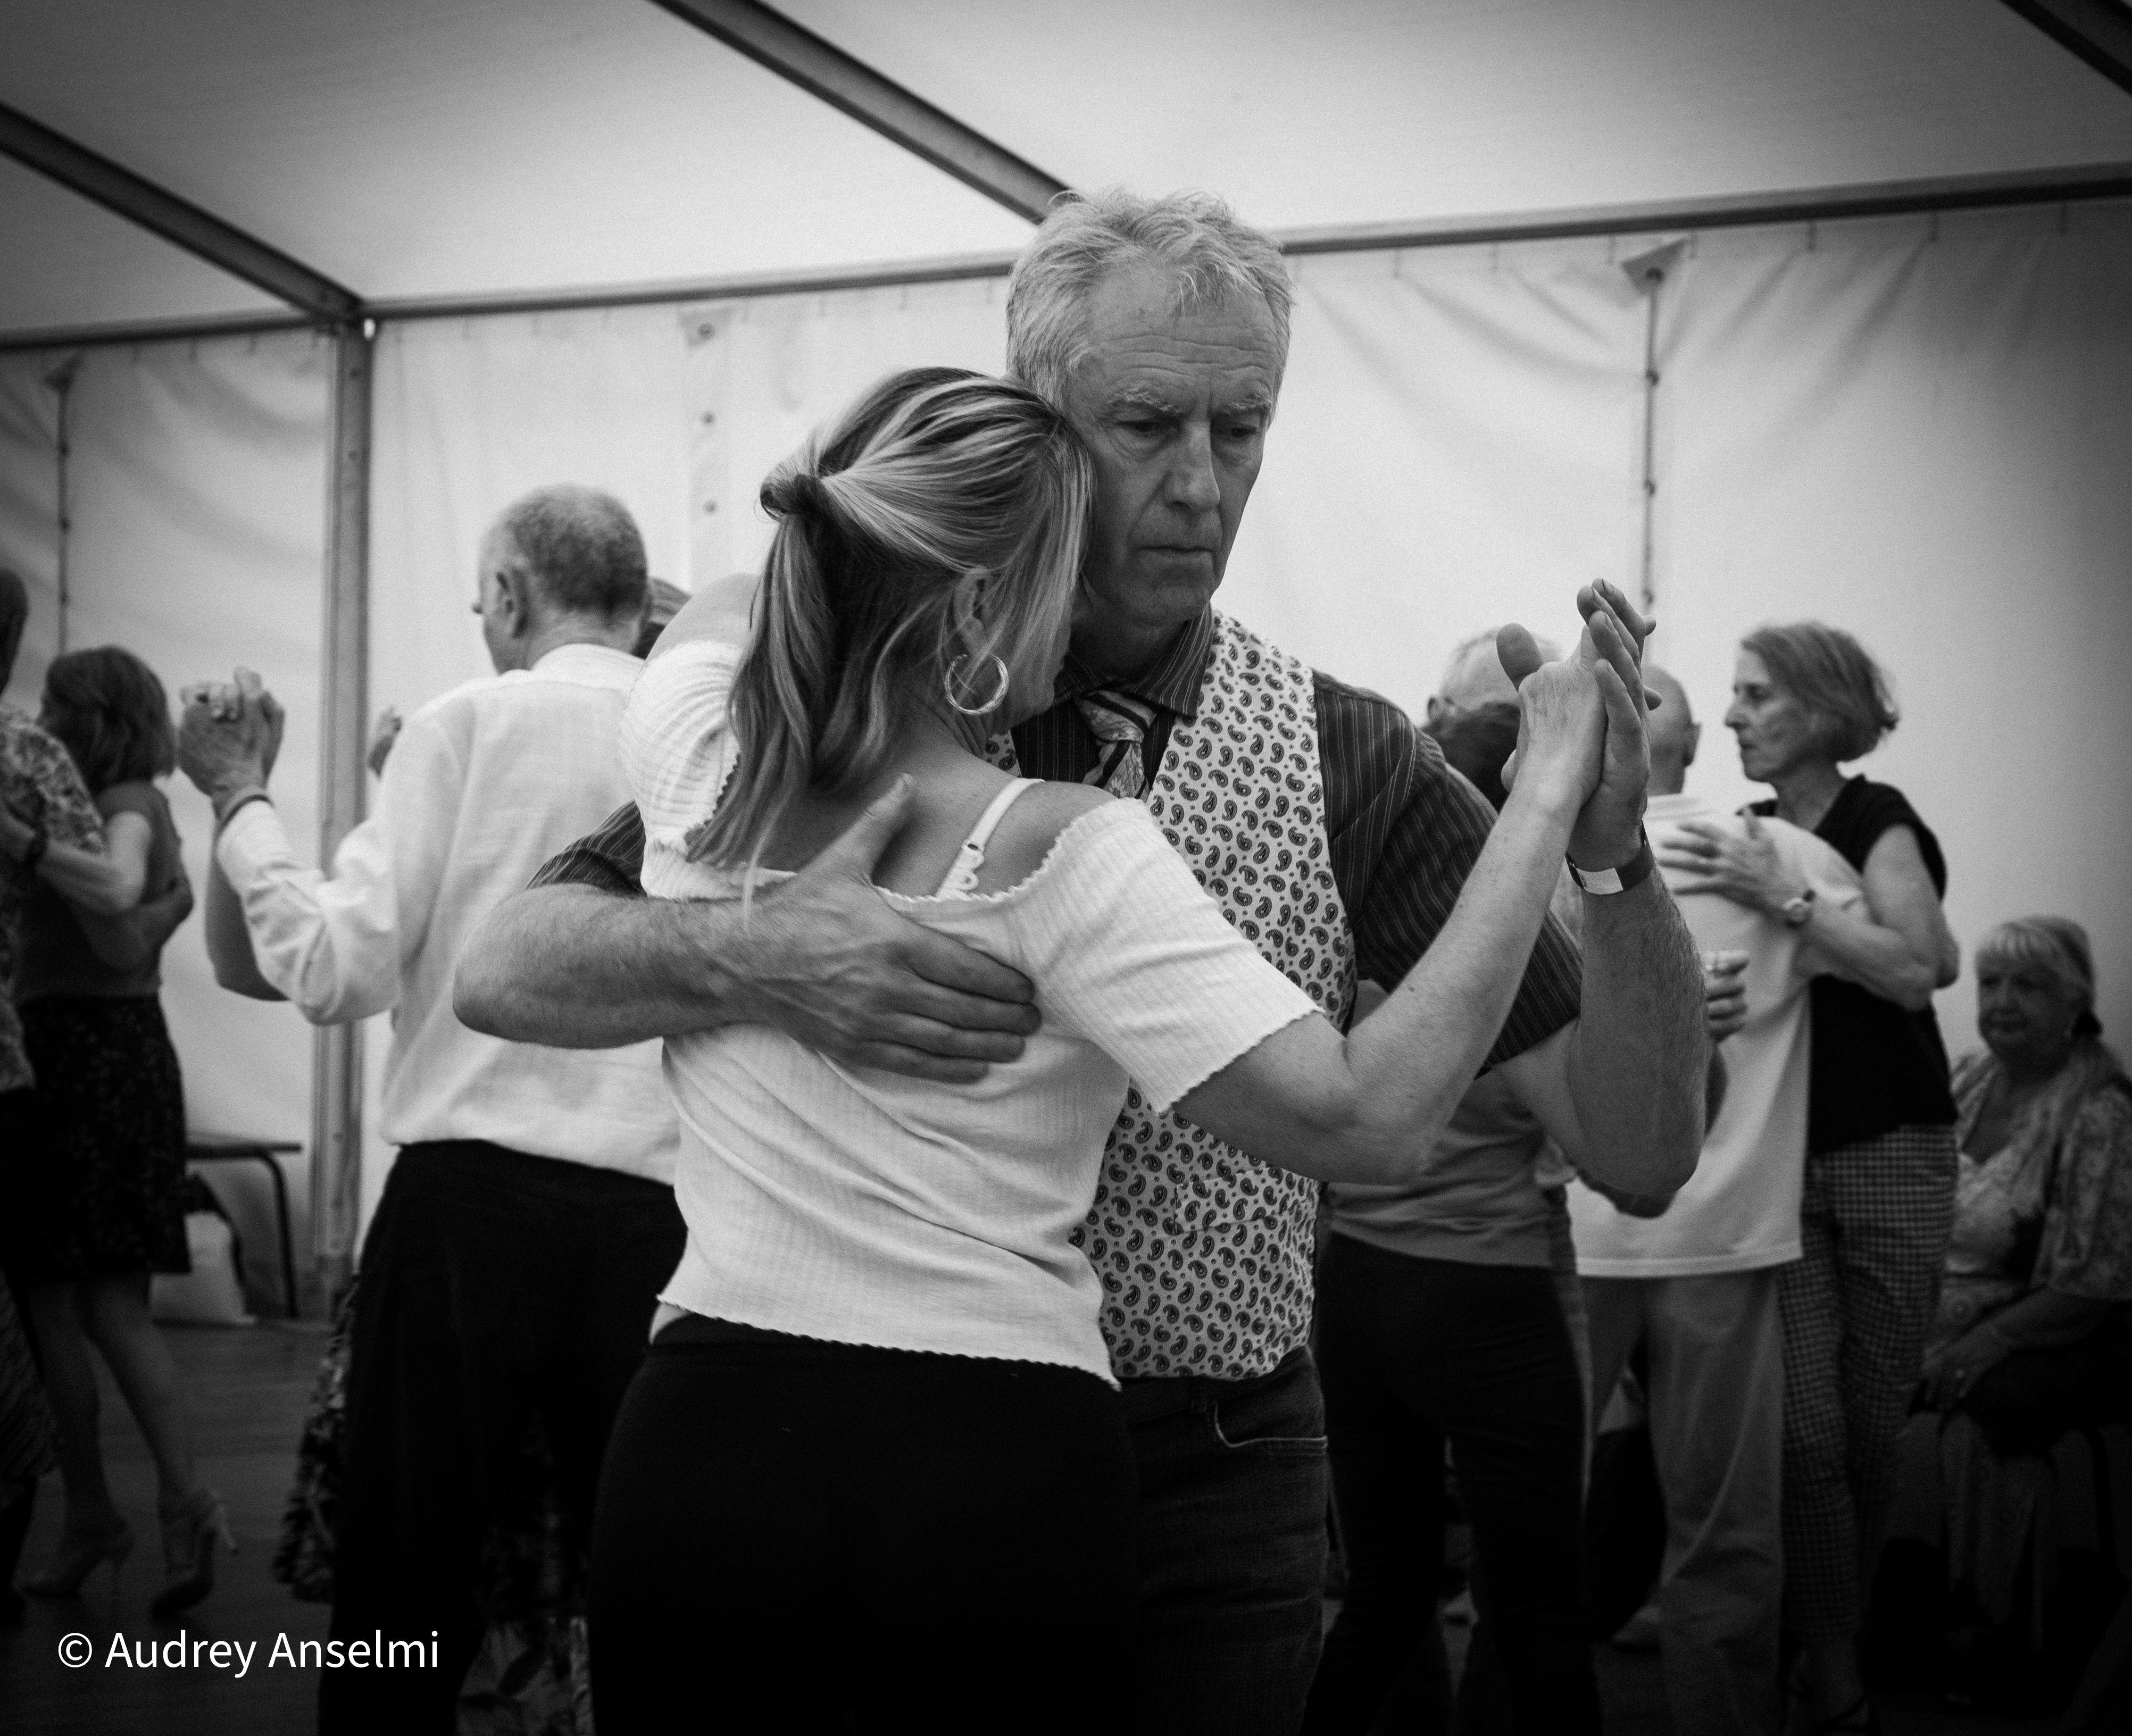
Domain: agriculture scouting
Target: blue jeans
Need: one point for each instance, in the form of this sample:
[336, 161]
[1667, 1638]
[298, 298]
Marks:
[1232, 1501]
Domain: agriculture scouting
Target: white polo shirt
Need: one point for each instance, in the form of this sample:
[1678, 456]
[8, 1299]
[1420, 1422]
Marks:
[1740, 1209]
[484, 786]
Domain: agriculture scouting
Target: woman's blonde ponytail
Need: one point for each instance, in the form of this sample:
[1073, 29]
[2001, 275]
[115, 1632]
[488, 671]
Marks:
[936, 474]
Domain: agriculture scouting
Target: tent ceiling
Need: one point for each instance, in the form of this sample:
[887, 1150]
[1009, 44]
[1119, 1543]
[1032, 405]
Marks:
[414, 148]
[417, 148]
[1365, 111]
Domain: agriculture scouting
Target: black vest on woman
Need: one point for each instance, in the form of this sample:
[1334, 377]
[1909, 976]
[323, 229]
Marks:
[1875, 1066]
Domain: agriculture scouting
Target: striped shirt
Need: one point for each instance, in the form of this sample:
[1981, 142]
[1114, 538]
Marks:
[1404, 829]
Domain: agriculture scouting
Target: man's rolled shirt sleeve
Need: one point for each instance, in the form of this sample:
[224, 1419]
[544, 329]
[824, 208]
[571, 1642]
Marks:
[610, 858]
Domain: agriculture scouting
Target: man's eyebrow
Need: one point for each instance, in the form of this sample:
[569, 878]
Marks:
[1250, 403]
[1142, 397]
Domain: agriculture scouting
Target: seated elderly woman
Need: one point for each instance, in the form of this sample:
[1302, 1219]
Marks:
[2031, 1339]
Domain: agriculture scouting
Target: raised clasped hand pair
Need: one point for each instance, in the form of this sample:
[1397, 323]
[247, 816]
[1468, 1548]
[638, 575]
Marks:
[1582, 728]
[228, 734]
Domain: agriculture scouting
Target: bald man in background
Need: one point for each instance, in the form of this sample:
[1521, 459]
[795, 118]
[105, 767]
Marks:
[1696, 1283]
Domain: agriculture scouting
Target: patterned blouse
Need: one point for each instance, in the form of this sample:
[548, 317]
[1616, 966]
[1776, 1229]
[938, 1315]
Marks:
[2059, 1220]
[39, 781]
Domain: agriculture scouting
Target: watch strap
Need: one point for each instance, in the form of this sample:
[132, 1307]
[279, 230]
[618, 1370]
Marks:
[244, 798]
[1605, 882]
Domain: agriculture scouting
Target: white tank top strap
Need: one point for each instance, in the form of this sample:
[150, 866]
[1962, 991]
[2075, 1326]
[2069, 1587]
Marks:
[961, 879]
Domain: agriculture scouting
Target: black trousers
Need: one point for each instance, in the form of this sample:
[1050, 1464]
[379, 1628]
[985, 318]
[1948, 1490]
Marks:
[1414, 1352]
[801, 1537]
[494, 1285]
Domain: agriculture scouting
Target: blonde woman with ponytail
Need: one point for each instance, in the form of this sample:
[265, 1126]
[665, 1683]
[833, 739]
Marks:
[874, 1473]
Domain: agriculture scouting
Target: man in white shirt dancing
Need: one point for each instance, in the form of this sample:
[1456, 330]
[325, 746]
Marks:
[529, 1219]
[1698, 1284]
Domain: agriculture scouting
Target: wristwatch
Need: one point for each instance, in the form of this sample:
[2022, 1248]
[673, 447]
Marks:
[226, 807]
[1797, 912]
[1605, 882]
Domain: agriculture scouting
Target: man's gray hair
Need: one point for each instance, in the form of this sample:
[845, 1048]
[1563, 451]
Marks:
[1471, 649]
[1463, 656]
[1208, 254]
[581, 549]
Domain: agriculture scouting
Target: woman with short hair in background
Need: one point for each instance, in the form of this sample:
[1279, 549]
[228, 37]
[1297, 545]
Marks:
[98, 1205]
[1879, 1176]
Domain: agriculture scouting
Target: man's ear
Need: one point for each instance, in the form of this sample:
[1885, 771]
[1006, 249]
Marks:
[1687, 747]
[514, 600]
[1436, 708]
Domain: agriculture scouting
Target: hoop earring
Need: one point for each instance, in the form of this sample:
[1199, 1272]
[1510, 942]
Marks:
[991, 705]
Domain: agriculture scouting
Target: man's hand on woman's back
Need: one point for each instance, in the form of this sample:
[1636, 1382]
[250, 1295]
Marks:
[831, 966]
[820, 956]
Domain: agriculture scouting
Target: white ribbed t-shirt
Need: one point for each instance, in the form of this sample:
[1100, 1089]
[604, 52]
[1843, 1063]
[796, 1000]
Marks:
[861, 1207]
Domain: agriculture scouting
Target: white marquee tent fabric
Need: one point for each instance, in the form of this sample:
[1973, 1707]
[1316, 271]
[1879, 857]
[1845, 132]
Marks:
[1916, 426]
[424, 148]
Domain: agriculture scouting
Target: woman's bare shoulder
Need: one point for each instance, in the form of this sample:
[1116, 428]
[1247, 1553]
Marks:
[1032, 826]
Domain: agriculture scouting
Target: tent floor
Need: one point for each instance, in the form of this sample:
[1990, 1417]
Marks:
[247, 1388]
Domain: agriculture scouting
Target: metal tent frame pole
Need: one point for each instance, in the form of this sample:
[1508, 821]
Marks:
[2099, 32]
[1648, 272]
[337, 1050]
[156, 209]
[825, 71]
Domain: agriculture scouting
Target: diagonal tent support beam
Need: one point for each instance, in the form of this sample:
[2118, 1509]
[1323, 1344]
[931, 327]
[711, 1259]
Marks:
[822, 70]
[2100, 31]
[198, 231]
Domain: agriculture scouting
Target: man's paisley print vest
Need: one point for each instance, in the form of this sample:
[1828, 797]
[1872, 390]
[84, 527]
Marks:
[1205, 1253]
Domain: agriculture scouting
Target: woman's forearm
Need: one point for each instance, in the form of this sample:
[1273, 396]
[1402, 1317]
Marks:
[1369, 1107]
[1421, 1051]
[1860, 950]
[136, 938]
[103, 885]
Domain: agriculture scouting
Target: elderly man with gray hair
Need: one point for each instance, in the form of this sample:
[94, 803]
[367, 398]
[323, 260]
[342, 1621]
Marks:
[1474, 678]
[529, 1219]
[1332, 836]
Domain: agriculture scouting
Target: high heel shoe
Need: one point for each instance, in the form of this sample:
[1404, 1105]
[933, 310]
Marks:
[80, 1554]
[189, 1536]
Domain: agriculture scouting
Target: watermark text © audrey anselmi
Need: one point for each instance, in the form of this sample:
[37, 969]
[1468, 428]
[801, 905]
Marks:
[237, 1656]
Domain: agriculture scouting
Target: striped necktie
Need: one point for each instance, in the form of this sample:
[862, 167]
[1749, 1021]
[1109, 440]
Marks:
[1120, 723]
